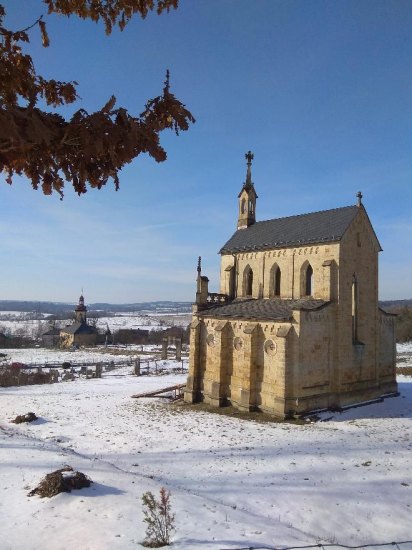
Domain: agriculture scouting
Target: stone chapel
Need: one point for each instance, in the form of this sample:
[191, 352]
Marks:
[79, 333]
[296, 325]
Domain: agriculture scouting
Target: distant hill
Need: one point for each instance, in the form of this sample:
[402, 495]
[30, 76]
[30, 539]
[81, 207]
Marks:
[389, 304]
[58, 307]
[161, 306]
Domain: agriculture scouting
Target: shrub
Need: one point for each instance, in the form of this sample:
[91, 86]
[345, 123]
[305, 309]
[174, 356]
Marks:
[29, 417]
[159, 519]
[61, 481]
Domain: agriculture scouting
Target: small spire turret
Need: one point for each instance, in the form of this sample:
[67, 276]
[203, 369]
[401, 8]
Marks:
[247, 197]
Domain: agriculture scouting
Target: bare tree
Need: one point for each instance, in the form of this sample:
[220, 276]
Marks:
[89, 148]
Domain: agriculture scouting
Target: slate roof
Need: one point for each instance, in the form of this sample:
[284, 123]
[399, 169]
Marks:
[79, 328]
[268, 309]
[310, 229]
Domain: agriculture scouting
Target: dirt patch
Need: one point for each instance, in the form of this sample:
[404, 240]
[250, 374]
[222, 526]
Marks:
[61, 481]
[232, 412]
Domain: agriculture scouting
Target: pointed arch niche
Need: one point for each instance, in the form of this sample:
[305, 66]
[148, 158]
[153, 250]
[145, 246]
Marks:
[248, 281]
[275, 279]
[306, 280]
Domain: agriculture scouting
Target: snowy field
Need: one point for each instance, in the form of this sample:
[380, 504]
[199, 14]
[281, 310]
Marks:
[234, 483]
[404, 354]
[18, 323]
[45, 356]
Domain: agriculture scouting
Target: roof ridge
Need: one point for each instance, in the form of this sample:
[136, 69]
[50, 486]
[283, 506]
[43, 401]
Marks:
[309, 228]
[307, 214]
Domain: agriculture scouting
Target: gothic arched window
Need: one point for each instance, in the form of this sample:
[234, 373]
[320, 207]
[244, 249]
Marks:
[309, 281]
[248, 281]
[232, 282]
[275, 281]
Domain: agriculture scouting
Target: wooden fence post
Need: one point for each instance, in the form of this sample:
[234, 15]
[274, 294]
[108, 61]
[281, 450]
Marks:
[137, 366]
[164, 348]
[178, 342]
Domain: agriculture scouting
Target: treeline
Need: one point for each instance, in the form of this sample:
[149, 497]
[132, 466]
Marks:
[11, 342]
[403, 323]
[139, 336]
[122, 336]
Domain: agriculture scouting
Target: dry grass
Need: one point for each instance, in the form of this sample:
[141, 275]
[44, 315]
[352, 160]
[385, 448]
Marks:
[406, 371]
[29, 417]
[61, 481]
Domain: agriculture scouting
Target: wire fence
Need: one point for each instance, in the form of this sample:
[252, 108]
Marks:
[399, 545]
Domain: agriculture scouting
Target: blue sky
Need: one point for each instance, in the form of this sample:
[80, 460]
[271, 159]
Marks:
[320, 91]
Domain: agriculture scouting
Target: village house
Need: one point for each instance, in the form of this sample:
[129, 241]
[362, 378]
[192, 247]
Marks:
[296, 324]
[51, 338]
[79, 333]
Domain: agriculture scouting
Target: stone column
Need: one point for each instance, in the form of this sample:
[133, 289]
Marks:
[328, 281]
[247, 393]
[217, 366]
[192, 392]
[286, 398]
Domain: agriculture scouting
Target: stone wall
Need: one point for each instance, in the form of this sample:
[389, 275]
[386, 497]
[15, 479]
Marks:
[292, 263]
[341, 354]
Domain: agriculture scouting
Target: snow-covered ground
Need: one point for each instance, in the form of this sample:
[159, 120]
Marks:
[234, 483]
[45, 356]
[145, 322]
[17, 323]
[404, 354]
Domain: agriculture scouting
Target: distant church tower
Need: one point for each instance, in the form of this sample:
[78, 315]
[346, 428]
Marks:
[80, 311]
[247, 198]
